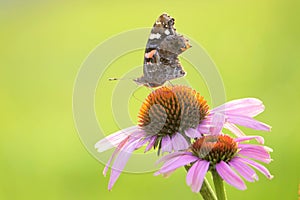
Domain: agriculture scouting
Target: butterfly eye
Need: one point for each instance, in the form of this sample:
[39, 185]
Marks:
[171, 22]
[165, 26]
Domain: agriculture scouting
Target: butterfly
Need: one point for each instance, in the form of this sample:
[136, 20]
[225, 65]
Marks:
[161, 61]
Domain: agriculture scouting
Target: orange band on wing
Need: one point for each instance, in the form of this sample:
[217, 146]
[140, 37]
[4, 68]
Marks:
[150, 54]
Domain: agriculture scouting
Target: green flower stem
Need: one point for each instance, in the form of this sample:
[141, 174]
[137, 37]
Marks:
[206, 191]
[219, 185]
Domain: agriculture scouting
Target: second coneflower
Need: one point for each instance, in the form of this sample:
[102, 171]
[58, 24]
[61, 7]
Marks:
[223, 156]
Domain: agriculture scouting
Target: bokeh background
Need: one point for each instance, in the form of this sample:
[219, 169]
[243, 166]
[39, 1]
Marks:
[255, 45]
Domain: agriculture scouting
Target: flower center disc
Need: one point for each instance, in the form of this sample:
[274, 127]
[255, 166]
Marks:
[172, 109]
[215, 148]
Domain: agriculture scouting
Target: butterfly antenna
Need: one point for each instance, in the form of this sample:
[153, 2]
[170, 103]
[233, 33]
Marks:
[114, 79]
[118, 79]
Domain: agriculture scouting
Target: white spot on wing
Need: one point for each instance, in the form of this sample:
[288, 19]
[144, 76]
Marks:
[167, 32]
[154, 36]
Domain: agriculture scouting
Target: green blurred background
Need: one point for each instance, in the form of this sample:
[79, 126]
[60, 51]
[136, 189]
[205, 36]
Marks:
[255, 45]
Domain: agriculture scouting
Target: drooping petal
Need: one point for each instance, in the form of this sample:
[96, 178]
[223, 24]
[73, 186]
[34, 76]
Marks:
[238, 132]
[244, 170]
[230, 176]
[196, 174]
[141, 142]
[192, 133]
[205, 125]
[110, 160]
[115, 153]
[218, 121]
[245, 107]
[150, 144]
[179, 142]
[248, 122]
[166, 144]
[258, 166]
[264, 148]
[246, 138]
[255, 152]
[114, 139]
[135, 136]
[172, 155]
[166, 175]
[175, 163]
[234, 129]
[122, 159]
[138, 135]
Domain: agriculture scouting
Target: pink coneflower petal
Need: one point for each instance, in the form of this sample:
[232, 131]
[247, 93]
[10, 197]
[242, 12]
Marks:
[244, 170]
[196, 174]
[173, 155]
[256, 152]
[150, 144]
[234, 129]
[258, 166]
[107, 165]
[122, 159]
[212, 124]
[248, 107]
[119, 164]
[230, 176]
[245, 138]
[109, 161]
[248, 122]
[264, 148]
[192, 133]
[205, 125]
[115, 139]
[170, 156]
[175, 163]
[167, 174]
[136, 136]
[218, 121]
[179, 142]
[166, 144]
[115, 153]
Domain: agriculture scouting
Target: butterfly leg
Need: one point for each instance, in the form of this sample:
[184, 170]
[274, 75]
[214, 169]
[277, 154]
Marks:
[171, 83]
[133, 94]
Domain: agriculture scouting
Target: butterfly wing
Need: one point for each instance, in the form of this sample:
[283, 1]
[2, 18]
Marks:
[161, 61]
[163, 27]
